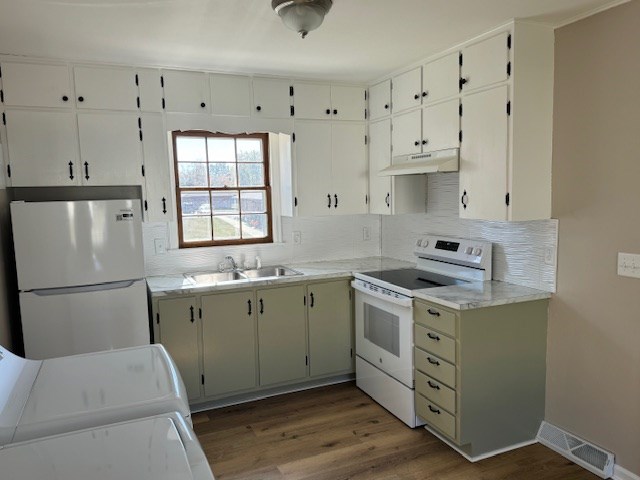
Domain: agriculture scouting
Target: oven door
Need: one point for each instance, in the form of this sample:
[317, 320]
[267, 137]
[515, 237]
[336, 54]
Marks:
[384, 333]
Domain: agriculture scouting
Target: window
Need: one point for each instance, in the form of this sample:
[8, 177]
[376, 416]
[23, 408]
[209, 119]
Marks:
[222, 188]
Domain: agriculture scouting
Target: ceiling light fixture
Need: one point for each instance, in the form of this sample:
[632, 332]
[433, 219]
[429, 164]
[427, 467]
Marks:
[302, 15]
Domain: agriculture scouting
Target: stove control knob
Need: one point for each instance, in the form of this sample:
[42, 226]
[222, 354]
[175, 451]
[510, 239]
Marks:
[469, 251]
[477, 251]
[419, 242]
[425, 243]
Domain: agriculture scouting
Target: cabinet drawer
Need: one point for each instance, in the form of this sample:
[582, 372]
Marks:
[436, 343]
[436, 416]
[436, 318]
[435, 367]
[436, 392]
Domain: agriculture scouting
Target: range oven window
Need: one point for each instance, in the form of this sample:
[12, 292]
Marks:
[382, 329]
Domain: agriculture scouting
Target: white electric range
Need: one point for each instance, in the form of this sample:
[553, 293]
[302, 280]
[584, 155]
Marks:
[384, 316]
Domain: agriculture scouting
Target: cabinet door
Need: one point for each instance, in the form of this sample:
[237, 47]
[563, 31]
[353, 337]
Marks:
[380, 100]
[282, 336]
[312, 101]
[150, 89]
[229, 342]
[440, 78]
[441, 126]
[313, 168]
[43, 148]
[484, 156]
[105, 88]
[407, 133]
[349, 169]
[379, 158]
[157, 169]
[230, 95]
[407, 90]
[178, 332]
[186, 92]
[271, 98]
[330, 328]
[33, 85]
[110, 150]
[485, 62]
[347, 103]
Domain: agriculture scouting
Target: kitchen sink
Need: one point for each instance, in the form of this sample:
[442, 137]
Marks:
[270, 272]
[218, 277]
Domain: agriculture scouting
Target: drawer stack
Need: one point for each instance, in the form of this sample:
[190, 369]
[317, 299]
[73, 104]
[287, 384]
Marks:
[435, 339]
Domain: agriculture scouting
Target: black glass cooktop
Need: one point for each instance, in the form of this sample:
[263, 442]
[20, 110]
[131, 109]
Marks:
[414, 279]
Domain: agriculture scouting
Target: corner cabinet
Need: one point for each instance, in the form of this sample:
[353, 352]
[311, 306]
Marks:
[480, 373]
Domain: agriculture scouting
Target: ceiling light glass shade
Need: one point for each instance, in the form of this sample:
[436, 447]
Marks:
[302, 16]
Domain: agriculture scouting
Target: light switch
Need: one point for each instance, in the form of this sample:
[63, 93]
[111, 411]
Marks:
[629, 265]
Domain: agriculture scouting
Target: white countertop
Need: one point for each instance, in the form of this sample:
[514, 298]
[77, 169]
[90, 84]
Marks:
[458, 297]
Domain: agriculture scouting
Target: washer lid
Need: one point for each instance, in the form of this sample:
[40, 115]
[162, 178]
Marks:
[148, 449]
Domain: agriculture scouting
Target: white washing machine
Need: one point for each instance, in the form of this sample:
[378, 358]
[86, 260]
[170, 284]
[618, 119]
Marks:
[157, 448]
[39, 398]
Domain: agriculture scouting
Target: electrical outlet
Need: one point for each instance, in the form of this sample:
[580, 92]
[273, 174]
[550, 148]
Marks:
[297, 238]
[366, 235]
[550, 255]
[629, 265]
[160, 246]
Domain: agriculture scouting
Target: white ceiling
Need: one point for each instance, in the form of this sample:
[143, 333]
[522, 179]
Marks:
[360, 40]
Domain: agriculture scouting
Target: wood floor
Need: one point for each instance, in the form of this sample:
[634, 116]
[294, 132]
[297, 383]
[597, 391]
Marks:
[338, 432]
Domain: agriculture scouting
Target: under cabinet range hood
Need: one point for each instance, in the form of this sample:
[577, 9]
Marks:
[428, 162]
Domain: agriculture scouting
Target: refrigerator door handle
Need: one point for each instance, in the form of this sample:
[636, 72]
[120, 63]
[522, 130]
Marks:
[45, 292]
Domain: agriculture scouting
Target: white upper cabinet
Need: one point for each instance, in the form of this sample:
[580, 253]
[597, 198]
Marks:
[313, 168]
[485, 62]
[347, 103]
[407, 133]
[440, 78]
[186, 92]
[110, 149]
[230, 95]
[150, 89]
[35, 85]
[349, 168]
[331, 102]
[105, 88]
[43, 148]
[441, 126]
[157, 169]
[407, 90]
[272, 98]
[380, 100]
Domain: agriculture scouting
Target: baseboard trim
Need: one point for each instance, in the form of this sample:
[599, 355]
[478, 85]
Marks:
[620, 473]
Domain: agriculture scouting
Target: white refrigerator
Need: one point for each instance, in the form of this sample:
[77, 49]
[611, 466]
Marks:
[80, 276]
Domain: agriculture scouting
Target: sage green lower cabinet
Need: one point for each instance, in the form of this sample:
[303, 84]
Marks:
[229, 342]
[480, 373]
[177, 321]
[282, 334]
[330, 328]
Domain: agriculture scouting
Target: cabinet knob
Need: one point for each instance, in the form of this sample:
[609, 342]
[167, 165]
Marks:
[386, 107]
[416, 143]
[81, 99]
[416, 96]
[464, 200]
[425, 93]
[424, 142]
[328, 111]
[203, 105]
[258, 108]
[65, 98]
[463, 81]
[335, 111]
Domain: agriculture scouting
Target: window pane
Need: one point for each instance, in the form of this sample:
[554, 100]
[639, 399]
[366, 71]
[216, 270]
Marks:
[191, 149]
[221, 149]
[222, 175]
[249, 150]
[225, 202]
[195, 203]
[254, 226]
[226, 227]
[251, 175]
[192, 174]
[196, 229]
[253, 202]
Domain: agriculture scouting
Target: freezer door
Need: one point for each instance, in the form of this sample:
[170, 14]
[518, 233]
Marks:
[69, 321]
[64, 244]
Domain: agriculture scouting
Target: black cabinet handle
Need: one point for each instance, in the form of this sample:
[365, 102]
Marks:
[328, 200]
[71, 170]
[464, 199]
[258, 108]
[416, 143]
[432, 361]
[164, 205]
[328, 111]
[249, 304]
[261, 307]
[463, 81]
[81, 99]
[434, 410]
[424, 142]
[433, 385]
[433, 312]
[203, 105]
[335, 111]
[386, 107]
[386, 200]
[86, 170]
[312, 300]
[65, 98]
[424, 94]
[416, 96]
[336, 198]
[193, 319]
[433, 337]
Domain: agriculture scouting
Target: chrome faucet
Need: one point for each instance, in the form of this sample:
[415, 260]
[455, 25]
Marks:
[233, 263]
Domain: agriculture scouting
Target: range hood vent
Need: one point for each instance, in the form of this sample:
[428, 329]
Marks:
[428, 162]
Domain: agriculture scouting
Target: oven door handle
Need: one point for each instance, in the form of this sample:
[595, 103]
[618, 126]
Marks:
[403, 302]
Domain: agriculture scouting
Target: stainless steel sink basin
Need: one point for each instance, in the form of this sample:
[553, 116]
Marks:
[218, 277]
[270, 272]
